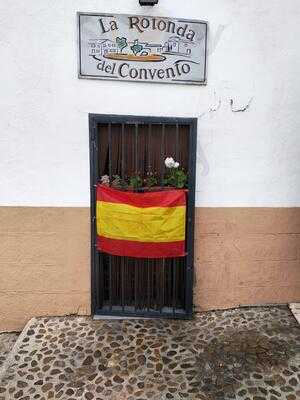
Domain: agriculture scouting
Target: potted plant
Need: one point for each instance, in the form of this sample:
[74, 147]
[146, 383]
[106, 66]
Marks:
[174, 178]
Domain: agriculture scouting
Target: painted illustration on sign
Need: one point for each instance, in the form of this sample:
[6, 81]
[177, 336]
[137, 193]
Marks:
[138, 48]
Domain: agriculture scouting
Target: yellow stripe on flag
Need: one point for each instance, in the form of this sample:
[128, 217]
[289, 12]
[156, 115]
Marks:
[152, 224]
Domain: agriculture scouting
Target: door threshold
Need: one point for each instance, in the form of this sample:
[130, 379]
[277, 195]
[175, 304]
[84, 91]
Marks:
[115, 317]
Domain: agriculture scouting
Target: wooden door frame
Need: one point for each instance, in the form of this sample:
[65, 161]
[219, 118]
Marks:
[94, 120]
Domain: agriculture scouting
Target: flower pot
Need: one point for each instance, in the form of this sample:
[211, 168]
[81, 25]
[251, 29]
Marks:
[146, 189]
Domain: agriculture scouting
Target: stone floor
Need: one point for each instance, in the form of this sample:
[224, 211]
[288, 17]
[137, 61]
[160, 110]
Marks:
[251, 354]
[7, 341]
[295, 308]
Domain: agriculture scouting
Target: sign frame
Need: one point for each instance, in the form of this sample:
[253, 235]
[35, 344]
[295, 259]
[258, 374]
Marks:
[178, 20]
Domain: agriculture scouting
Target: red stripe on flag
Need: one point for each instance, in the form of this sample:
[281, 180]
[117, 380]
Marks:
[128, 248]
[165, 198]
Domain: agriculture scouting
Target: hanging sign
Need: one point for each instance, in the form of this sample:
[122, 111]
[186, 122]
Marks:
[142, 48]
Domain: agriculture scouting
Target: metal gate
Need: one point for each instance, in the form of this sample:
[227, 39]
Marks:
[123, 286]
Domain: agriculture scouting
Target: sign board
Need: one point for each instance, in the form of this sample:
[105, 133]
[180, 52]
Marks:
[142, 48]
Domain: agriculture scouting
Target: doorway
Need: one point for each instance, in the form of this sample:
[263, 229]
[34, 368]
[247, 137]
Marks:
[131, 287]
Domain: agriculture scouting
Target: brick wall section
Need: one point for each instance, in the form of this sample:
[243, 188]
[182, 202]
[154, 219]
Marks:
[246, 256]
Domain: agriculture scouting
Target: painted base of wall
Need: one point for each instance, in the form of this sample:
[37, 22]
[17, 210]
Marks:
[242, 256]
[246, 256]
[44, 263]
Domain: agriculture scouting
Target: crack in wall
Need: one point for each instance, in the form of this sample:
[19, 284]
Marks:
[241, 109]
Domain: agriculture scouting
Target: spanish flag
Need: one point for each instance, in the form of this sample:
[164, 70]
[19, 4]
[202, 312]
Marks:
[142, 225]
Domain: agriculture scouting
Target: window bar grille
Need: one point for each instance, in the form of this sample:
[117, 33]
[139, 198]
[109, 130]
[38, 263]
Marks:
[126, 279]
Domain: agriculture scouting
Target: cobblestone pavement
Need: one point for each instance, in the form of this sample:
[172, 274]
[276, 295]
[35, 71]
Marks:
[7, 341]
[295, 309]
[251, 354]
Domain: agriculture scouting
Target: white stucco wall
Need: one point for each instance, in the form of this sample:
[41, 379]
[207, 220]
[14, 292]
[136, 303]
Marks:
[249, 158]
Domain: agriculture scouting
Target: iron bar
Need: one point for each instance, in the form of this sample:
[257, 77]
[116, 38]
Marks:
[174, 284]
[136, 163]
[136, 272]
[100, 279]
[149, 165]
[148, 285]
[177, 142]
[123, 152]
[110, 282]
[109, 153]
[162, 163]
[149, 169]
[94, 177]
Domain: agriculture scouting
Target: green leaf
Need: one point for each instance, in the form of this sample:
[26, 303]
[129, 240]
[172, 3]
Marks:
[136, 48]
[121, 43]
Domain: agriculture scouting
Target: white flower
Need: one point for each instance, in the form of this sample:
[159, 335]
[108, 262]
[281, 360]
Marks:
[105, 179]
[171, 163]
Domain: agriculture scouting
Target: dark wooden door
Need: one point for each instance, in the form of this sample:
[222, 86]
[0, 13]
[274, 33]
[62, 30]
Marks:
[124, 146]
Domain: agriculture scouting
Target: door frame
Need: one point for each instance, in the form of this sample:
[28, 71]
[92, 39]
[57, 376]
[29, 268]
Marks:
[94, 120]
